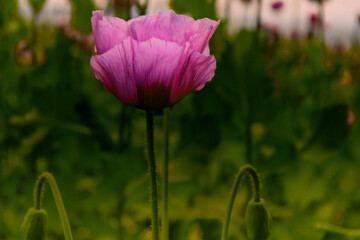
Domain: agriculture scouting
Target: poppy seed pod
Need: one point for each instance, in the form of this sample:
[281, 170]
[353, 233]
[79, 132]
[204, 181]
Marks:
[35, 224]
[258, 220]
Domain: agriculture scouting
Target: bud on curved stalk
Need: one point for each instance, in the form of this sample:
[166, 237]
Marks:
[38, 193]
[35, 224]
[258, 220]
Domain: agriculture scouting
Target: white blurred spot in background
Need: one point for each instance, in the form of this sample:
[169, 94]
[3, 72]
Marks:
[341, 16]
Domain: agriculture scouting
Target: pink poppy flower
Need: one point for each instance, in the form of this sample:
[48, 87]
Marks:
[152, 62]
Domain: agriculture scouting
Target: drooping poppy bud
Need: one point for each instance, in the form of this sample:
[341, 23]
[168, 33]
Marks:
[258, 220]
[35, 224]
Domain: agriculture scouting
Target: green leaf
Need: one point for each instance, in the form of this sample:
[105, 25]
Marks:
[197, 9]
[8, 8]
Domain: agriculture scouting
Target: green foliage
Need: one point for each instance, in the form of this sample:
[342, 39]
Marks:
[37, 5]
[304, 102]
[8, 9]
[81, 12]
[196, 9]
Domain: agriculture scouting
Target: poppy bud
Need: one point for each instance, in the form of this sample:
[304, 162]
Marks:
[258, 220]
[35, 224]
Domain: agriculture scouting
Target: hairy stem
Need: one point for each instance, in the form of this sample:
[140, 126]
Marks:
[165, 215]
[152, 174]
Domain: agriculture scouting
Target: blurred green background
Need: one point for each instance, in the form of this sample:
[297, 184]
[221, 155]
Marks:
[295, 101]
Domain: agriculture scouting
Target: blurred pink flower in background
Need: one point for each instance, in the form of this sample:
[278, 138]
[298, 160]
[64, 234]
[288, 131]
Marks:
[314, 18]
[342, 15]
[294, 34]
[152, 62]
[277, 5]
[24, 56]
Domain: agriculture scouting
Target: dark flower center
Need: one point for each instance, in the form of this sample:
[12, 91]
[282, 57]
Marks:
[154, 97]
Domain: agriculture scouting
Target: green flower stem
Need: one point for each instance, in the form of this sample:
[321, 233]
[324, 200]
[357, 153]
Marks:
[128, 9]
[227, 9]
[256, 187]
[297, 14]
[248, 120]
[165, 215]
[246, 10]
[152, 174]
[248, 136]
[321, 22]
[39, 188]
[258, 18]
